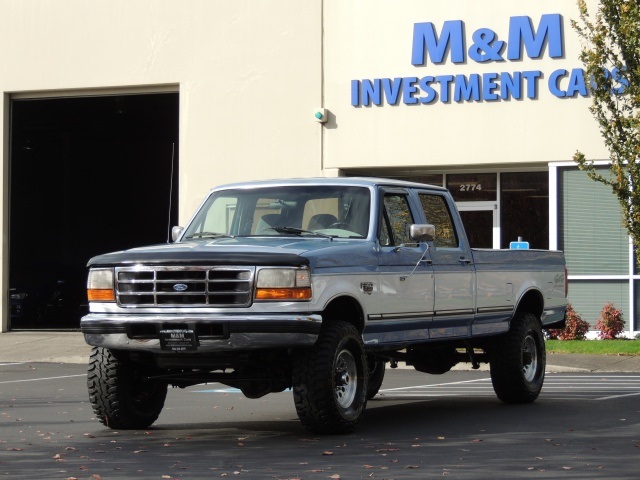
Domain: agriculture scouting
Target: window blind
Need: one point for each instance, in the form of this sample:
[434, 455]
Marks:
[591, 232]
[589, 296]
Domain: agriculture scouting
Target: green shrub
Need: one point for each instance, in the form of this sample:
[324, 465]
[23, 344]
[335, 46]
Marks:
[610, 323]
[575, 329]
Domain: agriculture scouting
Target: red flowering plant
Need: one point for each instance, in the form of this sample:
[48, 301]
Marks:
[610, 323]
[575, 328]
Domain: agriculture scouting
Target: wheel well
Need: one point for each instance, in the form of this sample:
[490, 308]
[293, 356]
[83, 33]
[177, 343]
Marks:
[347, 309]
[532, 302]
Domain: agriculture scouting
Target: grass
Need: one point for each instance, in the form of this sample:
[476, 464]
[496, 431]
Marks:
[595, 347]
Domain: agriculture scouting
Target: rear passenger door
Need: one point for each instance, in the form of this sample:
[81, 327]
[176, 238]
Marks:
[454, 303]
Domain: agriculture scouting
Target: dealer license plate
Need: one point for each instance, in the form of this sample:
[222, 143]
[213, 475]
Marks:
[178, 340]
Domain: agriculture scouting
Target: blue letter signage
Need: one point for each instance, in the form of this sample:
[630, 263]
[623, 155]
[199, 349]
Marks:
[525, 37]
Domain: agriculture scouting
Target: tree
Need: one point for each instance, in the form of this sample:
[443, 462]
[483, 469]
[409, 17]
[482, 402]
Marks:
[611, 55]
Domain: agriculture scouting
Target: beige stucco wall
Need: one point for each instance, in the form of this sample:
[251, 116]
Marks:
[250, 74]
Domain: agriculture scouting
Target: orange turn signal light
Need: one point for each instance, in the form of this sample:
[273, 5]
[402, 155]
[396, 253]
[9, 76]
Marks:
[300, 293]
[101, 295]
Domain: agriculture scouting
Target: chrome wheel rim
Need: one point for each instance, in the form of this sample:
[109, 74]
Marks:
[529, 359]
[346, 379]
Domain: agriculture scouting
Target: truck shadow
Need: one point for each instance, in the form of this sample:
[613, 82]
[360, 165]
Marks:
[385, 417]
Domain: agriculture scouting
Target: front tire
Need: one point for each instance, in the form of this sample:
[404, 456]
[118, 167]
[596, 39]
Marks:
[330, 380]
[118, 394]
[518, 361]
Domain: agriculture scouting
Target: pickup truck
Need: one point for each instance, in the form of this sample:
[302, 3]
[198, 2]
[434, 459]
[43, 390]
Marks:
[315, 285]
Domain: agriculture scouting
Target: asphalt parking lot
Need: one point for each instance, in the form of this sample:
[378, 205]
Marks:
[584, 425]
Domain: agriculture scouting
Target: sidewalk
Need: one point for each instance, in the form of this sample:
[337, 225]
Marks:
[43, 346]
[70, 347]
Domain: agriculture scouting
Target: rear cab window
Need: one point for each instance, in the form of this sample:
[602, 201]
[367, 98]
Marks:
[437, 213]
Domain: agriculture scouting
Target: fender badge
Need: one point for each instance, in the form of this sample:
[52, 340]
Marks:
[366, 287]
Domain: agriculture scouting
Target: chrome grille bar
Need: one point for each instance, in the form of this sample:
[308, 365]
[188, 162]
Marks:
[197, 286]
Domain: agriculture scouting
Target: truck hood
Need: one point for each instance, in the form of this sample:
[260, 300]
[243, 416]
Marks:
[278, 251]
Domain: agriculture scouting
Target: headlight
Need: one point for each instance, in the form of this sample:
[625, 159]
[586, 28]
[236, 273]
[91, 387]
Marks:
[100, 285]
[283, 284]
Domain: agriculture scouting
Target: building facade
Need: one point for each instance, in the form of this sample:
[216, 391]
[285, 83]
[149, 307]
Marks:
[486, 98]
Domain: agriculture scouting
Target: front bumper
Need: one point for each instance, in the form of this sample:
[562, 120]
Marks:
[214, 333]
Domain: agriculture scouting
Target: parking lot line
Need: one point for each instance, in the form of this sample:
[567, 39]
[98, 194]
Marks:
[587, 387]
[41, 379]
[447, 384]
[612, 397]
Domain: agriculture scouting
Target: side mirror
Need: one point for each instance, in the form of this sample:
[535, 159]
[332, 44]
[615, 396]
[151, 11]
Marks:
[176, 232]
[423, 232]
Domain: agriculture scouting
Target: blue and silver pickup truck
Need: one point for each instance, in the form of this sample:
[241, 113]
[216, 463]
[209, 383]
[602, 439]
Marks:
[315, 285]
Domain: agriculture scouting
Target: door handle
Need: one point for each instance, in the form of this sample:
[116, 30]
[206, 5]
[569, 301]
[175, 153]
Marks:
[465, 261]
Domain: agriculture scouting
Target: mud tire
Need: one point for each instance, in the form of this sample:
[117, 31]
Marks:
[376, 377]
[120, 398]
[518, 361]
[330, 380]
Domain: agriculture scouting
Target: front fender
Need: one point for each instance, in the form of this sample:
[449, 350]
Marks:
[363, 288]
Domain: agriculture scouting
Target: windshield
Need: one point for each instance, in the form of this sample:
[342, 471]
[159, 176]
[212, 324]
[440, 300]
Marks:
[336, 211]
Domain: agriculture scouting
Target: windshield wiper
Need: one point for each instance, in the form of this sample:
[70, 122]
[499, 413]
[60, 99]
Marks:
[210, 234]
[300, 231]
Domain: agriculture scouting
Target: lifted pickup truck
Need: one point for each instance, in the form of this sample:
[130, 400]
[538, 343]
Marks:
[315, 285]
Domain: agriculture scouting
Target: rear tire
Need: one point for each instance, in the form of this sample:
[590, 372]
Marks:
[518, 361]
[119, 395]
[376, 377]
[330, 380]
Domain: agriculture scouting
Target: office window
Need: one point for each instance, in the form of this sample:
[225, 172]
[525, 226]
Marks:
[524, 202]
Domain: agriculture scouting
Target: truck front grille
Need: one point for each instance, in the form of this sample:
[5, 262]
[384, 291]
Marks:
[184, 286]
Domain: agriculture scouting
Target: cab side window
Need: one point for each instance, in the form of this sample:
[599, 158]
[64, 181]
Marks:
[438, 214]
[396, 222]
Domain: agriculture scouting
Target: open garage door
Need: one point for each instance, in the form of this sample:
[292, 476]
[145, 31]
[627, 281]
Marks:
[88, 175]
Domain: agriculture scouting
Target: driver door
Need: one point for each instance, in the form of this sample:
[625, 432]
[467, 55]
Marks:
[406, 274]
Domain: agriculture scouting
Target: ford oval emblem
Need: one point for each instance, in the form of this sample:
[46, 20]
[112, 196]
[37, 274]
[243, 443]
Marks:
[180, 287]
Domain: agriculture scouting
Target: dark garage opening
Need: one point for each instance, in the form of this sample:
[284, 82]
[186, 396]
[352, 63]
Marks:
[88, 175]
